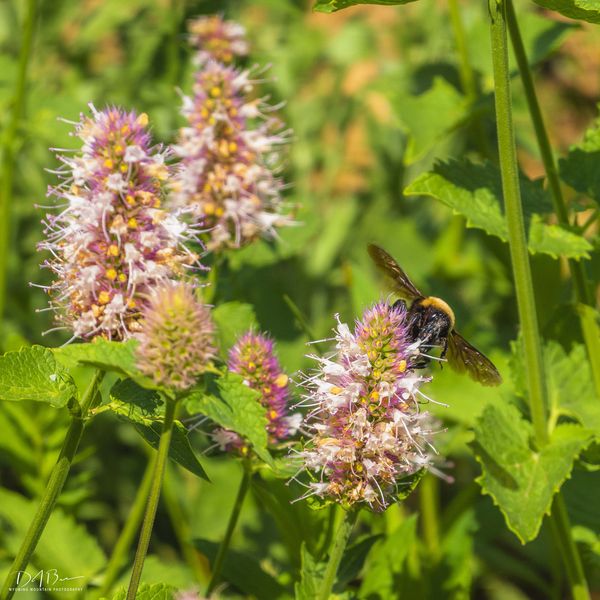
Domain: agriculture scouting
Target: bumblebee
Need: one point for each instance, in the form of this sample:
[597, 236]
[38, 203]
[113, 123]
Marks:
[431, 321]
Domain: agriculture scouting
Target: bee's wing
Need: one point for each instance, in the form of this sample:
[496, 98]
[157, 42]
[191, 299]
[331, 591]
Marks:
[402, 284]
[464, 358]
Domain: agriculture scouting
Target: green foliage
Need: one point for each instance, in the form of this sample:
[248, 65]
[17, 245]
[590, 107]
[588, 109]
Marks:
[245, 573]
[311, 576]
[147, 591]
[110, 356]
[571, 391]
[329, 6]
[34, 374]
[429, 117]
[232, 320]
[580, 167]
[385, 562]
[584, 10]
[145, 410]
[65, 545]
[475, 191]
[238, 409]
[521, 479]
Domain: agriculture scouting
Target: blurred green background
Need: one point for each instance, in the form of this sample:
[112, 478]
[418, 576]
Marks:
[374, 96]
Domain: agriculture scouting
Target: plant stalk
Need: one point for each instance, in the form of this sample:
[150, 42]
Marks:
[523, 283]
[337, 551]
[119, 555]
[233, 519]
[181, 526]
[53, 487]
[155, 487]
[9, 147]
[589, 326]
[514, 219]
[429, 504]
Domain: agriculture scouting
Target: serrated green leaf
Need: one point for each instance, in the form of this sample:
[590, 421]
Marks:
[329, 6]
[33, 374]
[386, 560]
[145, 409]
[520, 479]
[428, 117]
[579, 168]
[311, 576]
[583, 10]
[153, 591]
[238, 409]
[475, 191]
[570, 386]
[110, 356]
[64, 545]
[232, 320]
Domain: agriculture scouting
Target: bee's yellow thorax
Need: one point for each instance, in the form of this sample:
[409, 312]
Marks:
[440, 305]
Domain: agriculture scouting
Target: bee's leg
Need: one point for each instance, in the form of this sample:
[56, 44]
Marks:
[444, 348]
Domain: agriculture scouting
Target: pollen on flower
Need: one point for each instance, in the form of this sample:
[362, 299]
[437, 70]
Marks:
[176, 337]
[367, 430]
[110, 246]
[228, 155]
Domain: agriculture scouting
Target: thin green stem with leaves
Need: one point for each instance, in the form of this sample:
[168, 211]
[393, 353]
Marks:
[233, 519]
[589, 325]
[522, 277]
[119, 555]
[9, 148]
[152, 505]
[337, 551]
[53, 487]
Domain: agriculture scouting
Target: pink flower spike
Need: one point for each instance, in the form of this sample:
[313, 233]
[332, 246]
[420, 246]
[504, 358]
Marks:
[113, 243]
[366, 428]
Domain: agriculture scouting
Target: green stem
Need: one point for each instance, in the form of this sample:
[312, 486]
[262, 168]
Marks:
[9, 144]
[53, 487]
[429, 502]
[119, 555]
[233, 519]
[561, 530]
[522, 277]
[515, 223]
[337, 551]
[590, 329]
[181, 527]
[156, 484]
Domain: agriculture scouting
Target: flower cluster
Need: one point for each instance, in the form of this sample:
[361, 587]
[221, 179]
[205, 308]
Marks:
[176, 337]
[217, 39]
[253, 358]
[367, 431]
[228, 156]
[112, 243]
